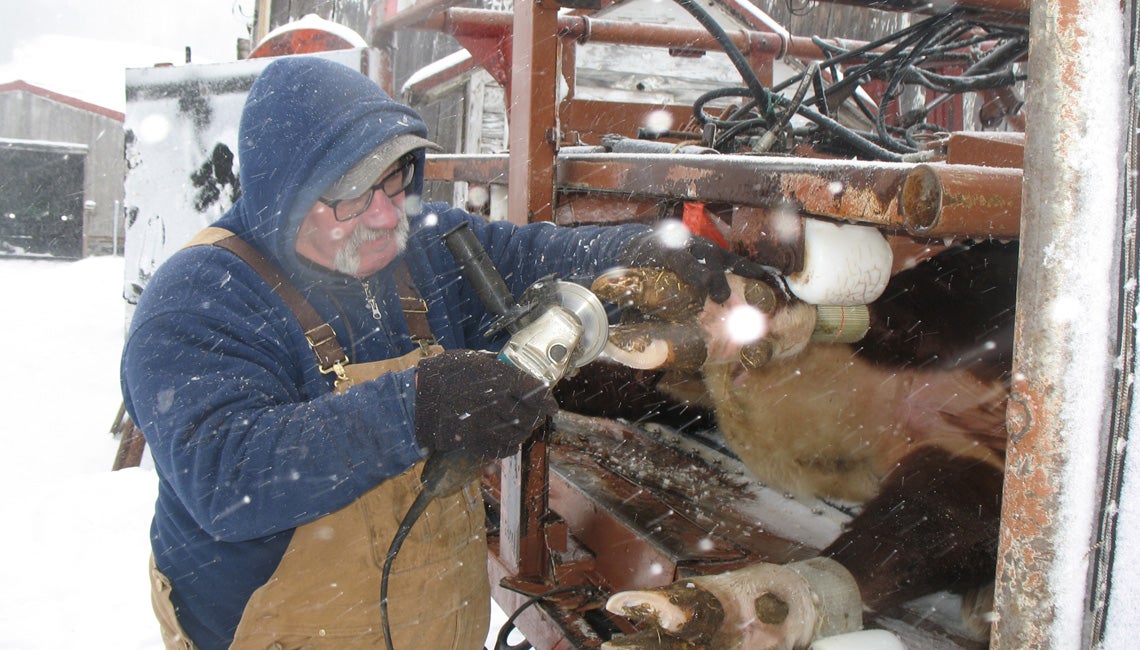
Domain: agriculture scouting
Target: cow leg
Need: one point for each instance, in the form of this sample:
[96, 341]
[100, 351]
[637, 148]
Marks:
[933, 526]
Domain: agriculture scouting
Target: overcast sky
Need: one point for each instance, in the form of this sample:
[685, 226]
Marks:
[81, 47]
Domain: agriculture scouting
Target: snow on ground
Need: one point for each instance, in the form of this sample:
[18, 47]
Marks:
[73, 564]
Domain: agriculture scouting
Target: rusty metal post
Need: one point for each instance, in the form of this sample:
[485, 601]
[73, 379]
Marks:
[1068, 309]
[523, 503]
[533, 111]
[530, 175]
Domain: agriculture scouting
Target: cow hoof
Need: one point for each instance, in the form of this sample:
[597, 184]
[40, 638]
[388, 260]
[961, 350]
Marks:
[767, 606]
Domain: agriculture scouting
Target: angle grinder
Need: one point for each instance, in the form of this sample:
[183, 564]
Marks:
[555, 328]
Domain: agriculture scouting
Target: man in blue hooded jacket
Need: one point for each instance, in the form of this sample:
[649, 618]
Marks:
[281, 373]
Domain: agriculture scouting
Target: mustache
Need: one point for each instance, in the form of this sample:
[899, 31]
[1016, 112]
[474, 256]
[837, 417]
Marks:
[364, 234]
[348, 258]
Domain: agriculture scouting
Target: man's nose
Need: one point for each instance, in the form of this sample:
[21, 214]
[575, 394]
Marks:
[381, 213]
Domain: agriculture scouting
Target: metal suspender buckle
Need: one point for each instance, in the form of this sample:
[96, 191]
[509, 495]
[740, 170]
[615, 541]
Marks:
[318, 337]
[413, 305]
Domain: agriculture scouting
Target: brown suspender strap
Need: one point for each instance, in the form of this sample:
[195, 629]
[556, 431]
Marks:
[321, 336]
[415, 308]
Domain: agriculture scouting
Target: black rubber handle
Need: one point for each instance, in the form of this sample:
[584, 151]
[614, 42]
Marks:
[480, 272]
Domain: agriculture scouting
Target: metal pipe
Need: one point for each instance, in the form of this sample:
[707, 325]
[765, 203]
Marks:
[534, 139]
[462, 22]
[1068, 311]
[962, 200]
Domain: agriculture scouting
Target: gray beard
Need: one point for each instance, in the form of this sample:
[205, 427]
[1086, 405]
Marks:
[348, 258]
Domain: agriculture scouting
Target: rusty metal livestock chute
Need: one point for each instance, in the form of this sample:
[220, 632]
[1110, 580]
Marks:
[976, 121]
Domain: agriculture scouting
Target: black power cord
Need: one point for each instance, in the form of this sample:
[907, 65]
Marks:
[442, 474]
[505, 630]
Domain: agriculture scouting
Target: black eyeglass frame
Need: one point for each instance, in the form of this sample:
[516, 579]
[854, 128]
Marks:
[406, 163]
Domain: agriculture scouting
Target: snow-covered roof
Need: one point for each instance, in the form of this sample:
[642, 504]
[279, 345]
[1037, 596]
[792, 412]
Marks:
[23, 86]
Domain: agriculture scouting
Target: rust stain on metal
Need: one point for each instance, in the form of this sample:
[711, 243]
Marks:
[1030, 496]
[686, 181]
[866, 197]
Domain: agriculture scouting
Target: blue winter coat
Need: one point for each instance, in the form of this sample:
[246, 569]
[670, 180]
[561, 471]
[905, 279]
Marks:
[248, 439]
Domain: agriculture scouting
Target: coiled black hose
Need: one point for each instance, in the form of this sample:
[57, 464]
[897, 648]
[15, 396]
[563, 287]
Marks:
[939, 35]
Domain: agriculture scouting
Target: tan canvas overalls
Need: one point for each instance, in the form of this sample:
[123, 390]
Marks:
[325, 592]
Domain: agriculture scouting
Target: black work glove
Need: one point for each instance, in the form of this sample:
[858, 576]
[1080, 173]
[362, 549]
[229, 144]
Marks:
[699, 262]
[471, 401]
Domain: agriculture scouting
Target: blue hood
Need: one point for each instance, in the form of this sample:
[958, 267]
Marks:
[306, 122]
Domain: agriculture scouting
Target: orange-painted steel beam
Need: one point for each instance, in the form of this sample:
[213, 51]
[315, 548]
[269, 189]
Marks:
[465, 23]
[530, 175]
[462, 23]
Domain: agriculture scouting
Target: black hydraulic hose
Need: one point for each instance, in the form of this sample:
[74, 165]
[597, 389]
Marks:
[769, 100]
[958, 84]
[820, 93]
[859, 142]
[922, 40]
[737, 127]
[764, 99]
[912, 44]
[809, 76]
[442, 474]
[781, 121]
[875, 61]
[913, 130]
[906, 38]
[719, 93]
[999, 57]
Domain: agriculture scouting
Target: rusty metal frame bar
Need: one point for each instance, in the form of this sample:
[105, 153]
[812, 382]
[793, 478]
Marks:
[461, 22]
[928, 200]
[1069, 298]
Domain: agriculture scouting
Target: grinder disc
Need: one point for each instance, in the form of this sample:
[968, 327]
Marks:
[581, 302]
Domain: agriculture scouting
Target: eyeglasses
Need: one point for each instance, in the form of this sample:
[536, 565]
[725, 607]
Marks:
[392, 185]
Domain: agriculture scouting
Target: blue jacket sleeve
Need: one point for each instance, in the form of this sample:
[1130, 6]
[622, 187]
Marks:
[225, 409]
